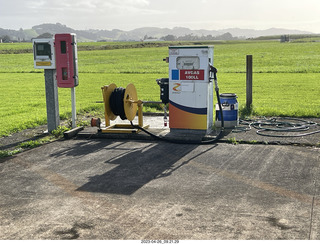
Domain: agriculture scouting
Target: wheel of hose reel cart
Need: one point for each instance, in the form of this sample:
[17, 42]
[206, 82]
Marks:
[106, 99]
[129, 102]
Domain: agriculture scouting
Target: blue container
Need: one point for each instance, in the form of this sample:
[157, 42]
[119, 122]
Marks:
[230, 106]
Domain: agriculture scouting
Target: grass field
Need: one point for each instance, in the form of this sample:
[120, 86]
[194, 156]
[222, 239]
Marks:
[285, 81]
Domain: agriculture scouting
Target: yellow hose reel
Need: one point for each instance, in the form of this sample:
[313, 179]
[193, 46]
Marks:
[120, 102]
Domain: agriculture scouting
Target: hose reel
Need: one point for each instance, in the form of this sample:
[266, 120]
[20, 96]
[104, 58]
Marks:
[123, 103]
[116, 102]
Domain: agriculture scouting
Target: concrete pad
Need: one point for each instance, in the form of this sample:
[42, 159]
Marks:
[124, 189]
[238, 135]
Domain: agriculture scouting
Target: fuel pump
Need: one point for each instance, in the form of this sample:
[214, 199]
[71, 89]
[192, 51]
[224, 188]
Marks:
[189, 92]
[191, 88]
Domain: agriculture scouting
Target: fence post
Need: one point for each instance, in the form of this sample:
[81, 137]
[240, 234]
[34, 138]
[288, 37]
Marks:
[249, 81]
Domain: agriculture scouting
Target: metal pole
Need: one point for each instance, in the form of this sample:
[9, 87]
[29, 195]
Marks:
[53, 117]
[249, 81]
[73, 104]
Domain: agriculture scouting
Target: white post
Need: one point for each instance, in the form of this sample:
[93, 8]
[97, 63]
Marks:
[73, 104]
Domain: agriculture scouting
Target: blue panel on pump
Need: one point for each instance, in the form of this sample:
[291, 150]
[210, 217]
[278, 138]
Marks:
[175, 74]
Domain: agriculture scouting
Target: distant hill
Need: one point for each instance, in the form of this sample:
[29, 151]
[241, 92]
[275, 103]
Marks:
[250, 33]
[139, 33]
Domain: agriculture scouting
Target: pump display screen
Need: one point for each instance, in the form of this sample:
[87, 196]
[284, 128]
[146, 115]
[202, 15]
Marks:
[188, 63]
[43, 49]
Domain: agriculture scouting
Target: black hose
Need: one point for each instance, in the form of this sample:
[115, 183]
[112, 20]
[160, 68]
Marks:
[214, 71]
[274, 126]
[116, 102]
[220, 108]
[210, 141]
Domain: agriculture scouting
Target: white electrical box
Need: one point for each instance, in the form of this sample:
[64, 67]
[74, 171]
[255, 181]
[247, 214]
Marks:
[44, 53]
[190, 88]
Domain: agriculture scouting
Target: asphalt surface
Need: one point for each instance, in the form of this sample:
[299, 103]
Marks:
[134, 187]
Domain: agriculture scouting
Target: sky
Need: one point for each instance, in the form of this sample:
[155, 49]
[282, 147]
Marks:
[194, 14]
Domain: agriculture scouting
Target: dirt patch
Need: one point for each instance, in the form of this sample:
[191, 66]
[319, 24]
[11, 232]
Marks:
[12, 141]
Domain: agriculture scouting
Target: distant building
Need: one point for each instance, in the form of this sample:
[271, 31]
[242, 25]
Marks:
[285, 38]
[152, 40]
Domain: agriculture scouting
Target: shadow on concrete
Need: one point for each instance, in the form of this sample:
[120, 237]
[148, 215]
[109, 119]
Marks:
[85, 147]
[138, 166]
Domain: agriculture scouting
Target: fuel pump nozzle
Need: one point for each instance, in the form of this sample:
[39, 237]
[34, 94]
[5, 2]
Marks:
[214, 71]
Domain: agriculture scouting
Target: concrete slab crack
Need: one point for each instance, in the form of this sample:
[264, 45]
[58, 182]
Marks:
[313, 202]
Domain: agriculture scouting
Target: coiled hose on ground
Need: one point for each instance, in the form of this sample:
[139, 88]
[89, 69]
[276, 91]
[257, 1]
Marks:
[278, 127]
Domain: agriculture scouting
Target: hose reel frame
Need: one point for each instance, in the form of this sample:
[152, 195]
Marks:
[124, 103]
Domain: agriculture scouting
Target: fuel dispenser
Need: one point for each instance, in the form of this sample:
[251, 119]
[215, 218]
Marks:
[191, 88]
[58, 57]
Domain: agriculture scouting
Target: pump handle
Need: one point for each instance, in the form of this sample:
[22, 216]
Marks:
[214, 71]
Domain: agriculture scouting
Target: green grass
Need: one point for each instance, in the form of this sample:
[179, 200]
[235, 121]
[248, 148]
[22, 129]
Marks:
[22, 102]
[269, 57]
[124, 61]
[285, 80]
[8, 153]
[33, 143]
[15, 46]
[282, 94]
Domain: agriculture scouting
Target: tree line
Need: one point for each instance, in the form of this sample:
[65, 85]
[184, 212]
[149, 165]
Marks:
[190, 37]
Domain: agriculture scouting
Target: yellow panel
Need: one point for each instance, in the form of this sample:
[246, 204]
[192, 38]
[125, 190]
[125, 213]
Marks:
[43, 63]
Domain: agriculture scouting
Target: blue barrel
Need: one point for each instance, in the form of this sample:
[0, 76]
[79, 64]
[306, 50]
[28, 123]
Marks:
[230, 106]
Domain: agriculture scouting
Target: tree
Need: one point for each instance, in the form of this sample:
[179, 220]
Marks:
[45, 35]
[226, 36]
[6, 38]
[169, 38]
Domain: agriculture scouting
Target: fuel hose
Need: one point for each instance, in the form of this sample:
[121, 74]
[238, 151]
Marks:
[279, 127]
[202, 142]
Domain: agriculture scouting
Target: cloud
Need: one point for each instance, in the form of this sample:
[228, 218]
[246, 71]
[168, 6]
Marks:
[129, 14]
[57, 7]
[87, 5]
